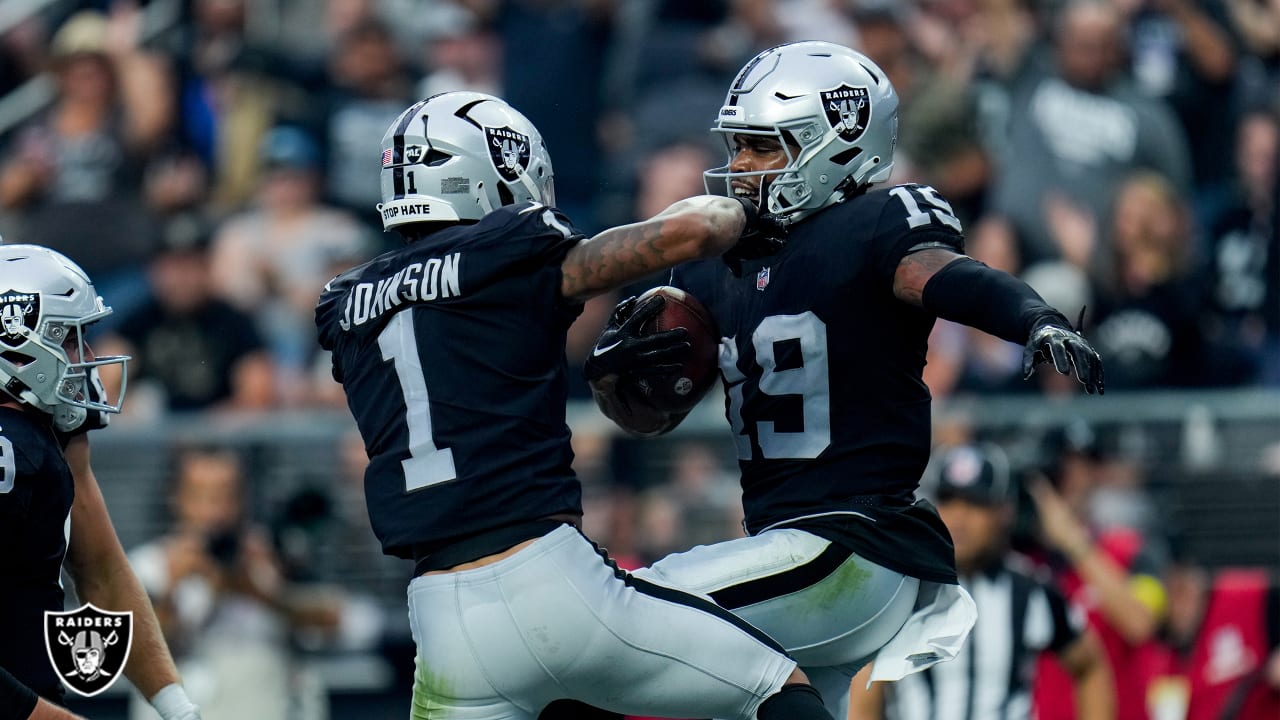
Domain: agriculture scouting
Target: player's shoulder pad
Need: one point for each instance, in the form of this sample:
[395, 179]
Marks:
[916, 209]
[31, 436]
[329, 306]
[527, 218]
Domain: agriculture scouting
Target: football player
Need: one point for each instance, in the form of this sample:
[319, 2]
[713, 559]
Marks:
[50, 505]
[450, 351]
[824, 328]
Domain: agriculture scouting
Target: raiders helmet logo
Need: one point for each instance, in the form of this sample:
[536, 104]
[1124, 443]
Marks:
[88, 647]
[18, 310]
[413, 154]
[847, 109]
[509, 151]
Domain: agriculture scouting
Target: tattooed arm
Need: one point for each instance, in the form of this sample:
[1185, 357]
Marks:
[958, 288]
[692, 229]
[915, 271]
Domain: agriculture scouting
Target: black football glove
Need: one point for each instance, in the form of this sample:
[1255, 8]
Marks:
[622, 351]
[764, 234]
[1053, 340]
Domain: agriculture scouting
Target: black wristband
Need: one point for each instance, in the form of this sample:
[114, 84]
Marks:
[970, 293]
[17, 701]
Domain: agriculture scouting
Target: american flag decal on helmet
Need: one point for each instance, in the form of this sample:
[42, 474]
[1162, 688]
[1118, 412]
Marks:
[386, 157]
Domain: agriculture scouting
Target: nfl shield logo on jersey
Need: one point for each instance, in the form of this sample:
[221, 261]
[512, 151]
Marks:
[847, 109]
[88, 647]
[17, 311]
[762, 279]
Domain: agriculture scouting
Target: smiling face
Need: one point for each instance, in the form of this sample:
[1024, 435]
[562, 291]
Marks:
[757, 153]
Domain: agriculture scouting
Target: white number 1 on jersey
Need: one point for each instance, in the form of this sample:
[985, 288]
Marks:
[427, 464]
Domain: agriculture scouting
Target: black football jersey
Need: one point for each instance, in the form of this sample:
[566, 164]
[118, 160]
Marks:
[36, 491]
[451, 354]
[822, 367]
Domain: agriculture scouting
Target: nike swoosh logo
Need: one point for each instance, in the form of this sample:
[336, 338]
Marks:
[602, 350]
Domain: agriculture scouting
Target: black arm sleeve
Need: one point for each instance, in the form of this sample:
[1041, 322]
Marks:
[970, 293]
[17, 701]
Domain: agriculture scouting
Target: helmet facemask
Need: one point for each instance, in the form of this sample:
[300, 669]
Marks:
[781, 189]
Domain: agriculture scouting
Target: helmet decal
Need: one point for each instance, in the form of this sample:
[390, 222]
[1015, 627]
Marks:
[18, 310]
[458, 156]
[509, 151]
[847, 109]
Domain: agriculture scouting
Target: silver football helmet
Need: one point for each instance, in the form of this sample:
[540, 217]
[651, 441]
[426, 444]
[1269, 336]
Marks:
[459, 156]
[46, 302]
[832, 102]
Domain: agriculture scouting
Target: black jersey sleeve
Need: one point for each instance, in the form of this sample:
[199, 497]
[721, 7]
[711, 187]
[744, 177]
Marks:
[454, 264]
[517, 240]
[912, 215]
[17, 701]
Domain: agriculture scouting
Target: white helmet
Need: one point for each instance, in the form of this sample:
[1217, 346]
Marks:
[833, 102]
[46, 301]
[459, 156]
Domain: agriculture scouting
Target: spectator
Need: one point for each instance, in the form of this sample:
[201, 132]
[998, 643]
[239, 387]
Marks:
[75, 174]
[1183, 52]
[1220, 655]
[460, 53]
[706, 493]
[550, 45]
[1076, 130]
[1113, 574]
[1147, 325]
[1257, 23]
[271, 262]
[1020, 614]
[194, 350]
[1242, 286]
[228, 95]
[368, 86]
[218, 591]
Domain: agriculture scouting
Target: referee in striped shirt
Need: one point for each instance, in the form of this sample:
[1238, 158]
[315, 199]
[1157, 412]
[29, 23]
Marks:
[1020, 614]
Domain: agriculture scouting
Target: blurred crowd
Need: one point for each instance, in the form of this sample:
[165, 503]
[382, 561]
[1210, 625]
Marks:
[212, 163]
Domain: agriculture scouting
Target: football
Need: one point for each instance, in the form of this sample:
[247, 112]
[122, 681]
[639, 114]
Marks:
[681, 390]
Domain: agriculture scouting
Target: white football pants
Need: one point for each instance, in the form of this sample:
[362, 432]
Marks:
[556, 621]
[831, 615]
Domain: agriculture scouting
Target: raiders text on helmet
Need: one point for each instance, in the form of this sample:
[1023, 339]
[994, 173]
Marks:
[833, 102]
[459, 156]
[46, 301]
